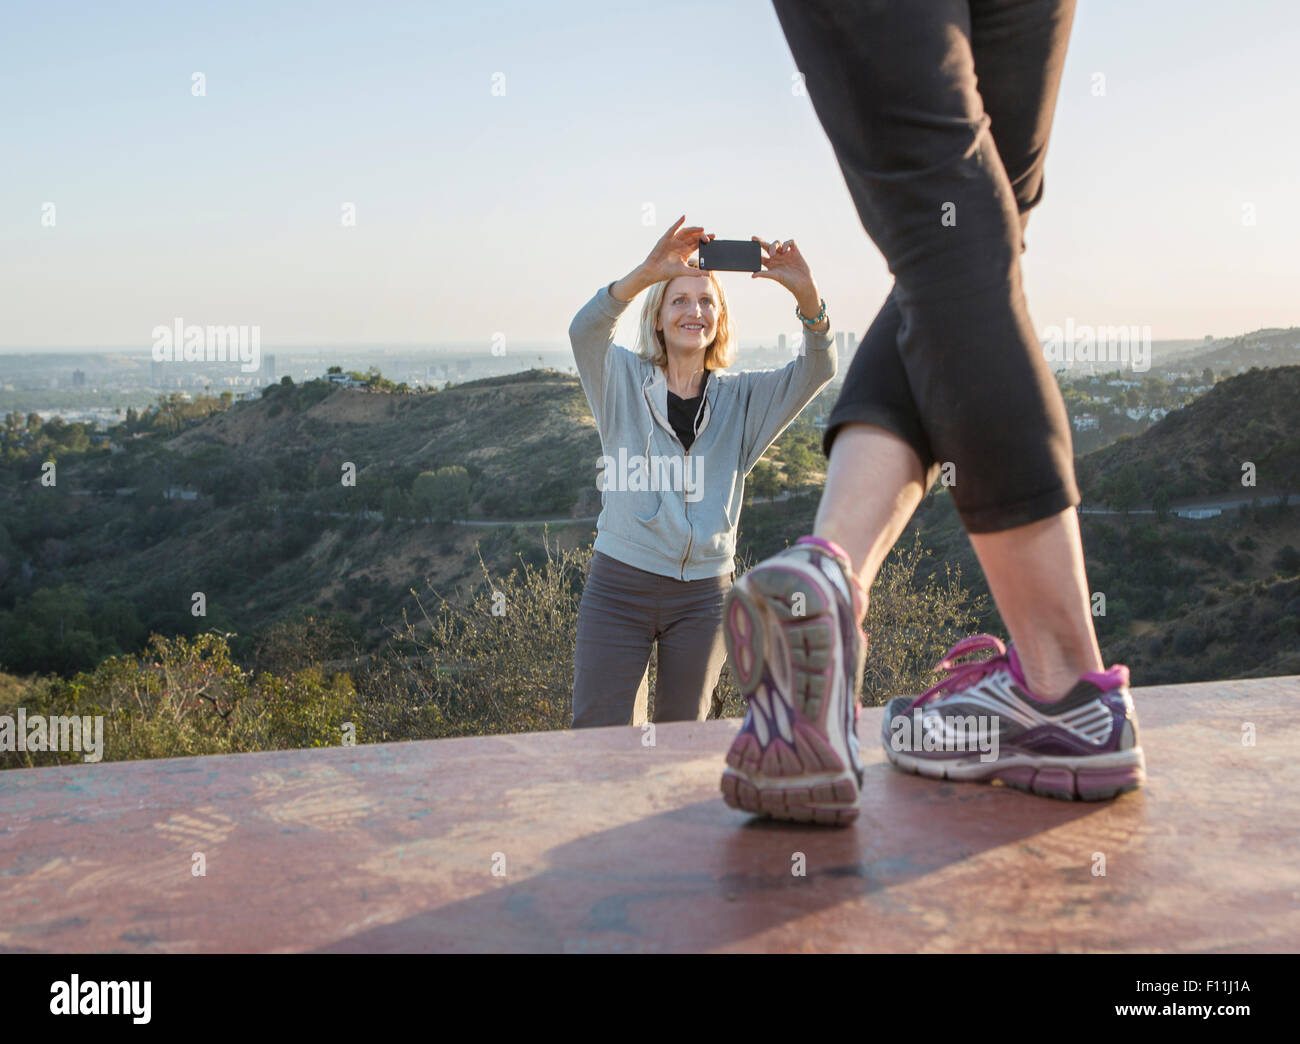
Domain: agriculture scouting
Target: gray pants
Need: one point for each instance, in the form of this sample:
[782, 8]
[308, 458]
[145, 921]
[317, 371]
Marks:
[624, 610]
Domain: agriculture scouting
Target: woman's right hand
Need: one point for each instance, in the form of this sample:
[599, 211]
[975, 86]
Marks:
[666, 261]
[668, 258]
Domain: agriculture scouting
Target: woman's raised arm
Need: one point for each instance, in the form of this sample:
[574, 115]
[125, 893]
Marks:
[592, 331]
[773, 399]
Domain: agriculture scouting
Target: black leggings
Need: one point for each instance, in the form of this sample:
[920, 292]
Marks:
[943, 176]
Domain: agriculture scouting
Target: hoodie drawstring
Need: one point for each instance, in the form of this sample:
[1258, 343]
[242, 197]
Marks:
[650, 416]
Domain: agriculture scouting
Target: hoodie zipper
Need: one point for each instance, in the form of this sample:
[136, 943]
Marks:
[686, 510]
[686, 504]
[686, 507]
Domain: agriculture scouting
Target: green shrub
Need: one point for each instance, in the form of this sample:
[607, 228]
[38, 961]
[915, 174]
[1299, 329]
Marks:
[1287, 561]
[188, 697]
[498, 659]
[1187, 641]
[911, 625]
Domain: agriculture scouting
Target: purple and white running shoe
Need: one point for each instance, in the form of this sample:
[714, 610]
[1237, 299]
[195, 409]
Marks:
[982, 724]
[797, 652]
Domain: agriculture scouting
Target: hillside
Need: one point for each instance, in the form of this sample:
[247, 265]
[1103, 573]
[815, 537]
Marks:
[1185, 599]
[1198, 451]
[1236, 354]
[272, 526]
[506, 431]
[272, 529]
[260, 521]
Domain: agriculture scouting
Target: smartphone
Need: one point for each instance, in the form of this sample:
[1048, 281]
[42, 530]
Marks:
[731, 255]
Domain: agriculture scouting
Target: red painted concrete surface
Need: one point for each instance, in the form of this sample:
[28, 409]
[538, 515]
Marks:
[601, 843]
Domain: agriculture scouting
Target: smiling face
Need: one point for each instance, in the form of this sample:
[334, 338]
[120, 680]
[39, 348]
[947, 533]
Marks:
[688, 317]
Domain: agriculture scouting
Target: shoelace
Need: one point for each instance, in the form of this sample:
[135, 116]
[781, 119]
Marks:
[962, 674]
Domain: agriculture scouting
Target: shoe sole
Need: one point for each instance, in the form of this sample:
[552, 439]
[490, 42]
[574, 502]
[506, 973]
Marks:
[1096, 777]
[799, 776]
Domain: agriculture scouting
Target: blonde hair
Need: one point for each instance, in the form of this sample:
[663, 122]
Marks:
[650, 345]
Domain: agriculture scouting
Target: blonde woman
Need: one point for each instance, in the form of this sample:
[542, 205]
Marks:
[679, 432]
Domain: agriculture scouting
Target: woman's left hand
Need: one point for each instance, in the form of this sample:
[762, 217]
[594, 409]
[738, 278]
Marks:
[786, 265]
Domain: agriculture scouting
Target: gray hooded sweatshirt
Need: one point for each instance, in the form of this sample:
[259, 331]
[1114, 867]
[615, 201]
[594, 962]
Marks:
[663, 509]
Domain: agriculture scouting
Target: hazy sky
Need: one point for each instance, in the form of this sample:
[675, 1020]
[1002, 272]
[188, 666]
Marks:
[479, 213]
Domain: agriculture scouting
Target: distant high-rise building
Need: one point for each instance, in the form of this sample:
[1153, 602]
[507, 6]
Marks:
[780, 343]
[268, 369]
[78, 379]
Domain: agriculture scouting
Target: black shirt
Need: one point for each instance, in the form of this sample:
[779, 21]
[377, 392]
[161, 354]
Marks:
[682, 412]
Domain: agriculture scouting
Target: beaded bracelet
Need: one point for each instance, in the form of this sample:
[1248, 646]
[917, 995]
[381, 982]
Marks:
[811, 322]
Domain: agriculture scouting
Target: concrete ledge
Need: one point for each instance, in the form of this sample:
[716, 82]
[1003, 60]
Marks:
[609, 845]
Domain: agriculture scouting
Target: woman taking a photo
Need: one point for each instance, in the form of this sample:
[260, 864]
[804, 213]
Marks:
[679, 433]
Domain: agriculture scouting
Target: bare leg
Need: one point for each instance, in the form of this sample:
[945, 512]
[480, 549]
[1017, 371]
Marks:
[1037, 578]
[873, 484]
[1035, 572]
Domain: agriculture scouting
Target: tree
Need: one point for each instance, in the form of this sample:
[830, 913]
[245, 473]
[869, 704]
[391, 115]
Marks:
[305, 637]
[442, 495]
[1160, 502]
[396, 504]
[763, 481]
[1287, 561]
[423, 490]
[50, 630]
[1125, 492]
[453, 490]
